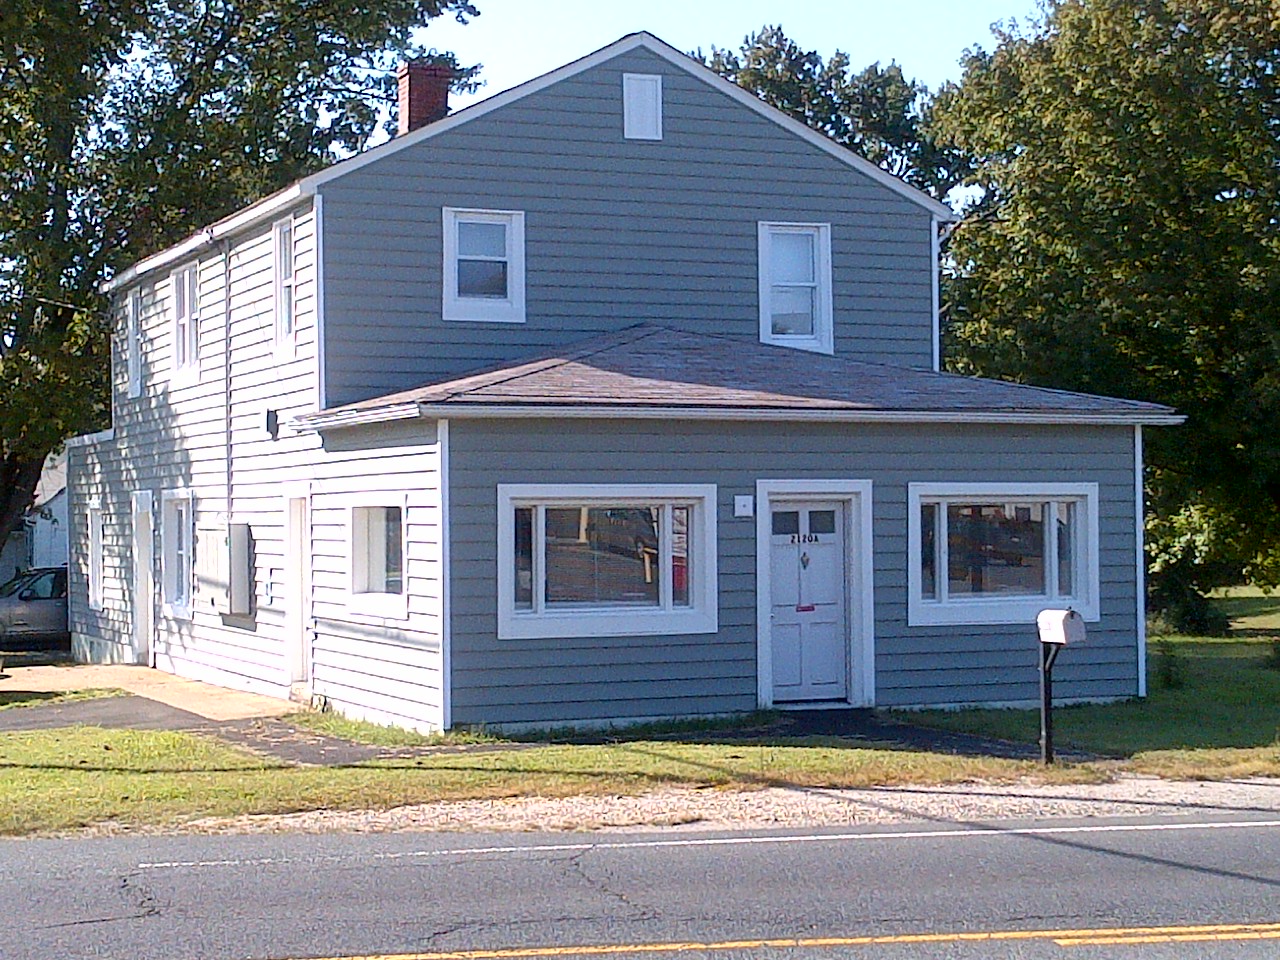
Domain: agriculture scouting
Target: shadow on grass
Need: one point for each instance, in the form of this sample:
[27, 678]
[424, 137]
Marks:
[14, 698]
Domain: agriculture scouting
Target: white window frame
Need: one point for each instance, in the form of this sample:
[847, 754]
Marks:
[389, 606]
[133, 344]
[642, 106]
[1003, 609]
[286, 295]
[700, 616]
[177, 572]
[484, 309]
[823, 338]
[185, 325]
[95, 554]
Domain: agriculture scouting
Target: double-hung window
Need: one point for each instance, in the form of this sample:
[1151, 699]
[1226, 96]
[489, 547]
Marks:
[285, 292]
[185, 307]
[600, 561]
[133, 343]
[378, 548]
[178, 534]
[795, 285]
[1000, 553]
[483, 265]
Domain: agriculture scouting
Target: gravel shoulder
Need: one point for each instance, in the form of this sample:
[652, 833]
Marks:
[709, 809]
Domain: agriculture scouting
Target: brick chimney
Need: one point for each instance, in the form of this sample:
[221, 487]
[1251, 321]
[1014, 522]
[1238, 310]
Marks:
[424, 93]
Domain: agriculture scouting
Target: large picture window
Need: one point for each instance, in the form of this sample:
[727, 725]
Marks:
[484, 265]
[582, 560]
[1000, 553]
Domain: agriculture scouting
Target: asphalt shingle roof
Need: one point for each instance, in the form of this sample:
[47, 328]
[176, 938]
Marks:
[664, 368]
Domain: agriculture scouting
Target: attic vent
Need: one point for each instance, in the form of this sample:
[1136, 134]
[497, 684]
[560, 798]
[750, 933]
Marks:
[642, 106]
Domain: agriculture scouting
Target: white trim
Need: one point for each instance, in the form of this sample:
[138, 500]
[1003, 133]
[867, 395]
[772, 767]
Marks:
[270, 206]
[370, 603]
[642, 106]
[551, 411]
[1140, 585]
[859, 569]
[133, 344]
[318, 253]
[142, 504]
[284, 291]
[168, 572]
[702, 614]
[822, 339]
[1004, 609]
[935, 260]
[455, 307]
[89, 439]
[446, 581]
[95, 519]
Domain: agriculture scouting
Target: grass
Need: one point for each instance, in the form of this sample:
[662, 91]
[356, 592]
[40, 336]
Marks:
[31, 698]
[77, 776]
[1220, 718]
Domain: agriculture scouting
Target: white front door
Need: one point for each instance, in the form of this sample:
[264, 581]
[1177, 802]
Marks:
[808, 620]
[143, 599]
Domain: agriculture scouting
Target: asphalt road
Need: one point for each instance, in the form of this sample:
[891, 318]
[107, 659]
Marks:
[1101, 889]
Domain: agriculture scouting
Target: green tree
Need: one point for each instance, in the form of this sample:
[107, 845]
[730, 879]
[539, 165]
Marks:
[877, 112]
[1124, 241]
[127, 124]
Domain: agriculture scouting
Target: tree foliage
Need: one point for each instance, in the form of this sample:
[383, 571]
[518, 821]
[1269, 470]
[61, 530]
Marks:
[1124, 241]
[876, 112]
[127, 124]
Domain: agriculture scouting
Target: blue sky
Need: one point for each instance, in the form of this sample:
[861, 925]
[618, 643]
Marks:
[520, 39]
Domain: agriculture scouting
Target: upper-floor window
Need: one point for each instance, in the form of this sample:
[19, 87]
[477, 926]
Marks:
[133, 343]
[1000, 553]
[286, 289]
[484, 265]
[795, 285]
[642, 106]
[185, 307]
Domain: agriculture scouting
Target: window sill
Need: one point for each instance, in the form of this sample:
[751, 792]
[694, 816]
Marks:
[810, 344]
[516, 625]
[476, 316]
[173, 611]
[1005, 610]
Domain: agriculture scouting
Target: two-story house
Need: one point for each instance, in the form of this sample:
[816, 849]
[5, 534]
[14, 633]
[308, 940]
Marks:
[614, 396]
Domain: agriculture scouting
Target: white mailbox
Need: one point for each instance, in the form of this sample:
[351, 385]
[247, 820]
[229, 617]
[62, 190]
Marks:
[1060, 626]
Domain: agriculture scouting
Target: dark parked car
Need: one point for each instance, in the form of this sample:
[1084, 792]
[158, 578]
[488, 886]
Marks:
[33, 608]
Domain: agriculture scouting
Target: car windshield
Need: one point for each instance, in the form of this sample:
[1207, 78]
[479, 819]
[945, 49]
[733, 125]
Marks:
[10, 587]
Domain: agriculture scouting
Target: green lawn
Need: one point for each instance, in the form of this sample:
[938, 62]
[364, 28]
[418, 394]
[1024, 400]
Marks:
[1225, 693]
[76, 776]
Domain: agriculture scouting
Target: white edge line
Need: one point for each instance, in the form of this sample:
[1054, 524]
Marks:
[979, 832]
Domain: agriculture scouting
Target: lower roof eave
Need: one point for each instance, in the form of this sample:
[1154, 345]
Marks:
[456, 411]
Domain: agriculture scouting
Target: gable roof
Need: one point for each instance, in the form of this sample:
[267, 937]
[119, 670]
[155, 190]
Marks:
[650, 371]
[271, 205]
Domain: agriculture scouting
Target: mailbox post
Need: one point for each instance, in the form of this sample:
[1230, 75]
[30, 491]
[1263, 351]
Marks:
[1057, 629]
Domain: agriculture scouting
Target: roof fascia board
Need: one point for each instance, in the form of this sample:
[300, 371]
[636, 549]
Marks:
[250, 216]
[320, 422]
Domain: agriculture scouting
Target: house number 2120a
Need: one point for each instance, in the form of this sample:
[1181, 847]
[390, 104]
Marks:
[804, 538]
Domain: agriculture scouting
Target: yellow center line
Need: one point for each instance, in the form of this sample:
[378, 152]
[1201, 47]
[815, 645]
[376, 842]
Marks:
[1066, 938]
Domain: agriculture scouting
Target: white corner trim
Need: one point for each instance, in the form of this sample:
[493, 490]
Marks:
[1140, 586]
[446, 581]
[321, 337]
[935, 261]
[1003, 609]
[702, 614]
[860, 568]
